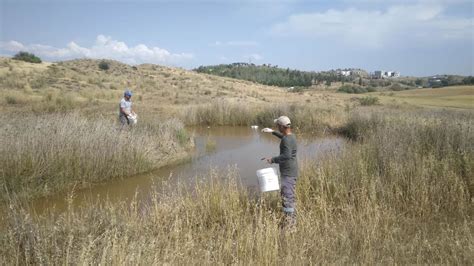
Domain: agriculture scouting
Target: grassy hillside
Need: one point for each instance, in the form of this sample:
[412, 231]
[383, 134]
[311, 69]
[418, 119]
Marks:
[63, 86]
[450, 97]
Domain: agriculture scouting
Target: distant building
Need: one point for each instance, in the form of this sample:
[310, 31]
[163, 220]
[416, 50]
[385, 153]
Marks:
[345, 73]
[354, 72]
[435, 82]
[380, 74]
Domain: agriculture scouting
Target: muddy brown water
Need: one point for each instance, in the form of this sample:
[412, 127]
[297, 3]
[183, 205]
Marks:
[216, 148]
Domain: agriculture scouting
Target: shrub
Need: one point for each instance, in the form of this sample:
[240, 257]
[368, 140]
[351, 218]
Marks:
[11, 99]
[27, 57]
[369, 100]
[355, 89]
[397, 87]
[103, 65]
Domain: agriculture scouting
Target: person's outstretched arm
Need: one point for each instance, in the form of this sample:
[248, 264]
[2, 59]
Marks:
[278, 134]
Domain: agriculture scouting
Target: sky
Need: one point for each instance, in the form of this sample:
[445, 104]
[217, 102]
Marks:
[416, 38]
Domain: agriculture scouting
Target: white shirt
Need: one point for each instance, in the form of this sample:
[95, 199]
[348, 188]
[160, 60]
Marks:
[126, 105]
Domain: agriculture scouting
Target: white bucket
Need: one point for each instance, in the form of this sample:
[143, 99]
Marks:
[268, 180]
[133, 119]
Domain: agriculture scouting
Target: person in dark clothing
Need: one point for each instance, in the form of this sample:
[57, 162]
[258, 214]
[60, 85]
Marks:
[288, 164]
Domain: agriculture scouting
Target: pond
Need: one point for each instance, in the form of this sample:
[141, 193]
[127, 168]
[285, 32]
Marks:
[216, 148]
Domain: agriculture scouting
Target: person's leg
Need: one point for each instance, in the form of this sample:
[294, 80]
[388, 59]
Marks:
[288, 194]
[123, 121]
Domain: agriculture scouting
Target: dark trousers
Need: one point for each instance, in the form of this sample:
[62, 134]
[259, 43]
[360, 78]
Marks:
[124, 120]
[288, 194]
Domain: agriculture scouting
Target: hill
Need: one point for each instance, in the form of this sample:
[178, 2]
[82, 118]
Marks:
[80, 83]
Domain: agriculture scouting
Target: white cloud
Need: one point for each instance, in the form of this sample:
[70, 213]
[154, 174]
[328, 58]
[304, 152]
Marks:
[12, 46]
[374, 28]
[235, 43]
[104, 47]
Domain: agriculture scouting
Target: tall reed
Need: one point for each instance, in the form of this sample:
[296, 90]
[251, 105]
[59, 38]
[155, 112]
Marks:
[400, 194]
[305, 118]
[43, 154]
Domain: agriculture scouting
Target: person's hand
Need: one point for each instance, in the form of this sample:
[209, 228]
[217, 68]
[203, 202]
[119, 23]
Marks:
[269, 160]
[267, 130]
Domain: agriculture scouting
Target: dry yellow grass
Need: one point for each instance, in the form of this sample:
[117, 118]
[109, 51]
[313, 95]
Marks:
[399, 195]
[158, 90]
[451, 97]
[41, 155]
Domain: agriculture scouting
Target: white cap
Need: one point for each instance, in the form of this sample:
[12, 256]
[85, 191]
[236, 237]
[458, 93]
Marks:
[283, 121]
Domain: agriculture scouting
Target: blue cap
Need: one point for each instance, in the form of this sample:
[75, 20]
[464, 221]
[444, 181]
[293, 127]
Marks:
[127, 93]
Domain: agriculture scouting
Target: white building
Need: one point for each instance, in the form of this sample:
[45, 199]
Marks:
[346, 73]
[380, 74]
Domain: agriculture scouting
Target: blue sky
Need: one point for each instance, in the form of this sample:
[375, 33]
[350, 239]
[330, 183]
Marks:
[419, 37]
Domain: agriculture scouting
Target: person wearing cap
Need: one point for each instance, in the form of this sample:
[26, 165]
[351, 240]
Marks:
[125, 108]
[288, 166]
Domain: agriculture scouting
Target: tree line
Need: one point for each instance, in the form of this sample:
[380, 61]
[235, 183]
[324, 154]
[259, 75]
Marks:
[272, 75]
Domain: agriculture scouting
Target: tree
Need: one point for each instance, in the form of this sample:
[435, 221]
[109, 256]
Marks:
[27, 57]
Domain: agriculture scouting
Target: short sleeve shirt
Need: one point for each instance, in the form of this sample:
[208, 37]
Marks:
[126, 105]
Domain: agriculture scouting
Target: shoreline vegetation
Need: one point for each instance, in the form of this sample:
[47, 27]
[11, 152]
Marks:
[50, 153]
[401, 191]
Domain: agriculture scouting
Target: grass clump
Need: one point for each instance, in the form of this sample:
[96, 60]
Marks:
[218, 113]
[368, 100]
[305, 118]
[48, 153]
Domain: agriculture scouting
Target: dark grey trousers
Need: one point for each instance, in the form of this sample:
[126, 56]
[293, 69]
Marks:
[123, 120]
[288, 194]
